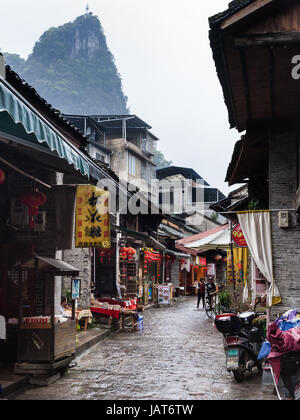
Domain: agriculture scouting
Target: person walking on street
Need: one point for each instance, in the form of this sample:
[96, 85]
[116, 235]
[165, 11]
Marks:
[201, 293]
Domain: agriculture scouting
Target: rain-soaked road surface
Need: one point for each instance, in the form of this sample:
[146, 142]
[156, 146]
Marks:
[178, 356]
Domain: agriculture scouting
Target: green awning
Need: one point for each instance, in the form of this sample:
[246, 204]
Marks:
[36, 130]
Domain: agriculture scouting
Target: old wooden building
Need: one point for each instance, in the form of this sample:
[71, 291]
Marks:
[256, 47]
[42, 159]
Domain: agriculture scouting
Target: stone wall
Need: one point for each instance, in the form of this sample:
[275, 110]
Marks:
[283, 177]
[80, 258]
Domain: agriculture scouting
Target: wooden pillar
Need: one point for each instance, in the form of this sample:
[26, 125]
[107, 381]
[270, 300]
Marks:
[20, 312]
[52, 335]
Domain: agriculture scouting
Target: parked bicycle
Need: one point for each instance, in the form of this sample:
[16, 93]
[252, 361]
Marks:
[217, 303]
[211, 304]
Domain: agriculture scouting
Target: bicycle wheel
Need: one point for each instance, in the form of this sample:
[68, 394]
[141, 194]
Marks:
[208, 308]
[217, 306]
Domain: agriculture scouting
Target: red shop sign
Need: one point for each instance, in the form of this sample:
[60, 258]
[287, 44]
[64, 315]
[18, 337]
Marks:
[238, 237]
[202, 261]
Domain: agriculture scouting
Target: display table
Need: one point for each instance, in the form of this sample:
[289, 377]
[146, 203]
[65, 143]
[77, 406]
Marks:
[108, 312]
[113, 308]
[119, 315]
[128, 303]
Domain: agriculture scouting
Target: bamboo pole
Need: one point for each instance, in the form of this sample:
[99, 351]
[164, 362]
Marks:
[24, 173]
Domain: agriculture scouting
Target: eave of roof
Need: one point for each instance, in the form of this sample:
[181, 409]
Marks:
[180, 223]
[234, 7]
[30, 94]
[179, 170]
[247, 159]
[115, 121]
[56, 118]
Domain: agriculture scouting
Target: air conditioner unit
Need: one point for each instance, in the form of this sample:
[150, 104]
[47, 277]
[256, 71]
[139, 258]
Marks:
[18, 213]
[40, 222]
[284, 219]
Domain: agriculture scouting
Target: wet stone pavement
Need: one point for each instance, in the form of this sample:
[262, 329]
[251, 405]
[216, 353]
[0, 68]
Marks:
[178, 356]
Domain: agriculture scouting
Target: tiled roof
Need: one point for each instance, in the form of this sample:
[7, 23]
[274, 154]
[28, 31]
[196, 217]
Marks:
[216, 44]
[32, 96]
[233, 7]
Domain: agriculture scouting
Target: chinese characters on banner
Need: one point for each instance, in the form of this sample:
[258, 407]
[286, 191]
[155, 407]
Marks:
[240, 264]
[201, 261]
[229, 267]
[92, 218]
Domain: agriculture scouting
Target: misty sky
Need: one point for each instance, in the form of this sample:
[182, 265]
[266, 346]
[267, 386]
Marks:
[162, 52]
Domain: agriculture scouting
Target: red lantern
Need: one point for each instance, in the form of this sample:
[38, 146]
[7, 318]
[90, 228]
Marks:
[2, 176]
[131, 252]
[123, 253]
[33, 200]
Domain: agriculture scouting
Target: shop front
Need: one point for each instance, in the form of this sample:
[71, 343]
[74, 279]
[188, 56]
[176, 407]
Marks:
[41, 159]
[151, 263]
[139, 269]
[199, 271]
[44, 336]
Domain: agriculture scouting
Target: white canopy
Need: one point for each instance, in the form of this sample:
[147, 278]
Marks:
[219, 240]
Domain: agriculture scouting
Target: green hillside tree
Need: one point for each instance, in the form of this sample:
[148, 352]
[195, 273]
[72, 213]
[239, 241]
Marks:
[72, 67]
[160, 160]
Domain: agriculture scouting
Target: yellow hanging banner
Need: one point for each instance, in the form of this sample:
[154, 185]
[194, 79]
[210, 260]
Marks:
[240, 258]
[92, 217]
[229, 267]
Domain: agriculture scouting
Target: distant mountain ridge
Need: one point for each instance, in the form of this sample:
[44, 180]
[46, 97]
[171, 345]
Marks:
[72, 68]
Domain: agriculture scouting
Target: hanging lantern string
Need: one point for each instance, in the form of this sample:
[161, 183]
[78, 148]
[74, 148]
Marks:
[24, 173]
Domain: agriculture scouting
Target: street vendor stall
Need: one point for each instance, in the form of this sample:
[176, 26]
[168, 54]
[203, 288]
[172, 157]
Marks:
[43, 337]
[118, 309]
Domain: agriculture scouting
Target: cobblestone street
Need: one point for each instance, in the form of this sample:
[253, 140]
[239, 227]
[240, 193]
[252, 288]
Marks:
[178, 356]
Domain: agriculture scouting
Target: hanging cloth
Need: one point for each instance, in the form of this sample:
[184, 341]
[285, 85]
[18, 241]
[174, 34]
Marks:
[256, 227]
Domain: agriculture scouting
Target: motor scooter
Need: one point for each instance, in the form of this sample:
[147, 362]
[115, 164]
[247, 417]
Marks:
[288, 386]
[242, 341]
[281, 352]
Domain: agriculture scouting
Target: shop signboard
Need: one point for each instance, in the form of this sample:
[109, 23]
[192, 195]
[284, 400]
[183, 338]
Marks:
[238, 237]
[201, 261]
[163, 294]
[92, 218]
[211, 270]
[75, 289]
